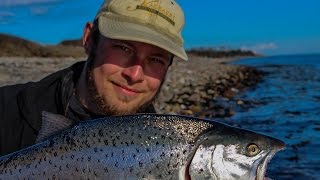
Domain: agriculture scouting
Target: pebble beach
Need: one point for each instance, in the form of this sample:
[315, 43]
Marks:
[191, 87]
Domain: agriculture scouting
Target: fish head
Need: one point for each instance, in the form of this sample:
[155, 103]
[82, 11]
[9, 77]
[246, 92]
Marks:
[227, 152]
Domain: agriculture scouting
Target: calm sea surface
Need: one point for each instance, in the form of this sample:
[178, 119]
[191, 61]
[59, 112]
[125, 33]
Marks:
[286, 105]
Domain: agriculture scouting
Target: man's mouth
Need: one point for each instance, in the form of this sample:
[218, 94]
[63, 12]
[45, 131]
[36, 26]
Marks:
[123, 89]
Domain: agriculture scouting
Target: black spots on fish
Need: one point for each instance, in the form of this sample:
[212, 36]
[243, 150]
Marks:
[139, 136]
[70, 141]
[114, 144]
[184, 152]
[87, 144]
[40, 160]
[200, 171]
[100, 132]
[162, 155]
[190, 142]
[89, 158]
[168, 165]
[175, 165]
[116, 164]
[95, 174]
[163, 137]
[137, 150]
[131, 169]
[106, 142]
[80, 159]
[95, 149]
[106, 170]
[140, 164]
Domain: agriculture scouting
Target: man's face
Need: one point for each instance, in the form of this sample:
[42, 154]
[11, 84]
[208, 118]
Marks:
[126, 75]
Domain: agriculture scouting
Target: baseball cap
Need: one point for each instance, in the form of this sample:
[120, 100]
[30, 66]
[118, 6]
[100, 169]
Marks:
[156, 22]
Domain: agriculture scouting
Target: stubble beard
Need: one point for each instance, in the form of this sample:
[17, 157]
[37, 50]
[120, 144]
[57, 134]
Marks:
[106, 108]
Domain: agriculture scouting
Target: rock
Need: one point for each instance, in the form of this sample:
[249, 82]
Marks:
[229, 94]
[239, 102]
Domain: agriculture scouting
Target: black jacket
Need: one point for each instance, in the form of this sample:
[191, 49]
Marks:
[21, 106]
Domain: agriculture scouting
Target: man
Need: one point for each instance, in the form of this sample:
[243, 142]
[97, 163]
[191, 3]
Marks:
[130, 47]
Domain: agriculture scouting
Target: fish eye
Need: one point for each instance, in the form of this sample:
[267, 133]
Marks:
[253, 149]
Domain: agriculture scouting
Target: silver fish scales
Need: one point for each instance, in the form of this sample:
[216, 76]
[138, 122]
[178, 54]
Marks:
[145, 146]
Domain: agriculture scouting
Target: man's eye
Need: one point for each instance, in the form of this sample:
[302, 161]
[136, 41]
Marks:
[157, 60]
[123, 48]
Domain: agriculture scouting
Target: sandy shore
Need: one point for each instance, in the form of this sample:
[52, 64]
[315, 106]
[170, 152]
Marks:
[190, 88]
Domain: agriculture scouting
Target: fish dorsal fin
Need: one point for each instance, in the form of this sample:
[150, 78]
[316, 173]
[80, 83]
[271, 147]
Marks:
[51, 124]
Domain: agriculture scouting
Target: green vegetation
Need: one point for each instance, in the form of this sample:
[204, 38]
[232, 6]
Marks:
[219, 53]
[12, 46]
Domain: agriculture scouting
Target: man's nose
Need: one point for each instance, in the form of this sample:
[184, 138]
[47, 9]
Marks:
[134, 73]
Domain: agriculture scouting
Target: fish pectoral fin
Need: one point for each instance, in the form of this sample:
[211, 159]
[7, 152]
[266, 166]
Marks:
[51, 124]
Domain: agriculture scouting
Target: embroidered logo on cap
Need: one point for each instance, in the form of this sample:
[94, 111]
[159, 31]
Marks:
[155, 8]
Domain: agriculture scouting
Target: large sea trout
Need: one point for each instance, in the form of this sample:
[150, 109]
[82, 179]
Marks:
[144, 146]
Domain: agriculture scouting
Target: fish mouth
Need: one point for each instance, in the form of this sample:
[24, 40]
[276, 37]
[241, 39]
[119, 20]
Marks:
[262, 167]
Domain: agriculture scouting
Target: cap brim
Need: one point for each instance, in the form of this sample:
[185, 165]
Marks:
[115, 29]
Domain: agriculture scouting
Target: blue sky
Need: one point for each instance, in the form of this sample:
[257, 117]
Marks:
[265, 26]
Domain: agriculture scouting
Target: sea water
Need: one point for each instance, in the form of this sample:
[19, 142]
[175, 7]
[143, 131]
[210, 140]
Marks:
[286, 105]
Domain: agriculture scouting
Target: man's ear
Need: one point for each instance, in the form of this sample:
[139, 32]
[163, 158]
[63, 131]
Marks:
[87, 39]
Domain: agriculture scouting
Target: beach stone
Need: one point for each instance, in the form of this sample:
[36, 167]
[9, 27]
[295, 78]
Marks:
[239, 102]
